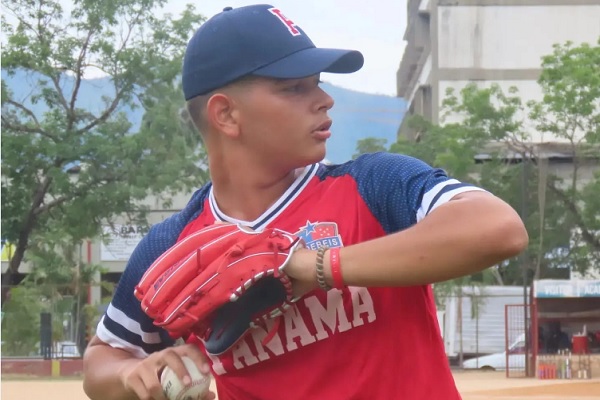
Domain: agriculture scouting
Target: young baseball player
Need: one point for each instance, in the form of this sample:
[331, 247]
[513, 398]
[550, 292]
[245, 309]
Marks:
[387, 225]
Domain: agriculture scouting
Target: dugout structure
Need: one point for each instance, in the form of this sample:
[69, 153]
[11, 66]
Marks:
[565, 329]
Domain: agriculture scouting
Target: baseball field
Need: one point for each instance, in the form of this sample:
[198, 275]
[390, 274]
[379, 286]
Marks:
[472, 385]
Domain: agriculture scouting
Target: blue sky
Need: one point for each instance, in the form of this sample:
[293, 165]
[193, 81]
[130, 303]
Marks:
[375, 28]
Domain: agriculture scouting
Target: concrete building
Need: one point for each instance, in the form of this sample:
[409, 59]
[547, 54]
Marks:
[450, 43]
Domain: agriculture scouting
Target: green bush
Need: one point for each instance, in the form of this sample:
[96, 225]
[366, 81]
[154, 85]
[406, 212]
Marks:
[21, 322]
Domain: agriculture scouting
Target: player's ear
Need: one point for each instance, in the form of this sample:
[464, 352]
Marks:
[221, 114]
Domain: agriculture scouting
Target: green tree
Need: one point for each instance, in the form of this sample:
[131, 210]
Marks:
[67, 167]
[369, 145]
[570, 111]
[486, 136]
[63, 280]
[21, 322]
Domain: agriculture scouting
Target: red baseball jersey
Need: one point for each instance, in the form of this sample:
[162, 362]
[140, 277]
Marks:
[354, 343]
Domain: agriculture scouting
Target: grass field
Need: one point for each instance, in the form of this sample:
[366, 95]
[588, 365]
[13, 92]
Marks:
[472, 385]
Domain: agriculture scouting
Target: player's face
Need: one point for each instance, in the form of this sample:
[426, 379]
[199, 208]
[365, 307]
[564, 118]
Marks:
[285, 122]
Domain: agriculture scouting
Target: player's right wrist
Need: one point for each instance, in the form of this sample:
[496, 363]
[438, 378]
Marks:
[335, 268]
[328, 269]
[322, 269]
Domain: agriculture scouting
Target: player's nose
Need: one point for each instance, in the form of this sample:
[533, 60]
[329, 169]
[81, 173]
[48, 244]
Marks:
[325, 101]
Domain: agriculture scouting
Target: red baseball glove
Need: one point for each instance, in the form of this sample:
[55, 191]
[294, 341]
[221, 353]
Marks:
[219, 282]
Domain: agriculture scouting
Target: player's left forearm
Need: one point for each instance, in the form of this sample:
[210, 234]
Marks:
[466, 235]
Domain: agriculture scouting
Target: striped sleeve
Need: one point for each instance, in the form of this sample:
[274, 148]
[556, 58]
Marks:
[439, 194]
[124, 325]
[401, 190]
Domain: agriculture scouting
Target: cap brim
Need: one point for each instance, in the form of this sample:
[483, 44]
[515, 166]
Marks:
[313, 61]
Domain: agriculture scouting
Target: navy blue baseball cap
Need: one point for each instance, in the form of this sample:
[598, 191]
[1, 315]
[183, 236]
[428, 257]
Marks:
[256, 40]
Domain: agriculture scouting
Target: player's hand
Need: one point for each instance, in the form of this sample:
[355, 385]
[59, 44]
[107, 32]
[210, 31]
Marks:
[302, 269]
[143, 378]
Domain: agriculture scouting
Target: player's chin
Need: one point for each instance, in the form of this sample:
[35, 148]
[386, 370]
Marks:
[307, 155]
[316, 154]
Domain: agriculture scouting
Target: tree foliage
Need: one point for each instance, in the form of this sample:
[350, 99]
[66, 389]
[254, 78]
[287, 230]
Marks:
[540, 156]
[570, 111]
[70, 164]
[21, 322]
[369, 145]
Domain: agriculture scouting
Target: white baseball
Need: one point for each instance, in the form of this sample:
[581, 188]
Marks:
[174, 388]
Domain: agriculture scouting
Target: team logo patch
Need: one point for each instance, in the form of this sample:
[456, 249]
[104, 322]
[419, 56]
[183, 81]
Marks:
[286, 21]
[319, 234]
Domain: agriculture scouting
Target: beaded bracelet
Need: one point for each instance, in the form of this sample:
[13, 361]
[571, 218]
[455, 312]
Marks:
[320, 273]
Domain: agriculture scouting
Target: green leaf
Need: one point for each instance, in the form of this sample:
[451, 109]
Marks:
[68, 169]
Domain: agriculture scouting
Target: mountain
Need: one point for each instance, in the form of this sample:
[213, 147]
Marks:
[90, 96]
[358, 115]
[355, 115]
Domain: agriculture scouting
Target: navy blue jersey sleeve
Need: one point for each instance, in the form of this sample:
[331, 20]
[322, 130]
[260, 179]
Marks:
[401, 190]
[124, 324]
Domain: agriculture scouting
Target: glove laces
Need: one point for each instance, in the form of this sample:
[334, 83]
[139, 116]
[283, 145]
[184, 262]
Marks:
[275, 314]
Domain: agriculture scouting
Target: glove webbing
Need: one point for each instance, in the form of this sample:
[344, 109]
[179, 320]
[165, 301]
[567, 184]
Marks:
[274, 314]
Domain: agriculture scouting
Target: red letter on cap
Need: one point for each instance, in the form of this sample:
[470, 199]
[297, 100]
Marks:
[287, 22]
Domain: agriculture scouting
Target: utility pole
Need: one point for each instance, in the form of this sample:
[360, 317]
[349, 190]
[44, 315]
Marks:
[523, 256]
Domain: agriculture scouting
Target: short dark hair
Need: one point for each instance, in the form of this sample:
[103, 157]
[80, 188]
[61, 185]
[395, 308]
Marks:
[196, 106]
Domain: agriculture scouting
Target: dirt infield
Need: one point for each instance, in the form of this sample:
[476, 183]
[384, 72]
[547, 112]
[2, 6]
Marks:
[495, 386]
[472, 385]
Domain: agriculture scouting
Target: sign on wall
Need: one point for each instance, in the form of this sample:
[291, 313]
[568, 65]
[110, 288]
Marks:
[120, 240]
[550, 288]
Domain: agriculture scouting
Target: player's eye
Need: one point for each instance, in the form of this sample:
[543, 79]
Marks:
[302, 85]
[294, 88]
